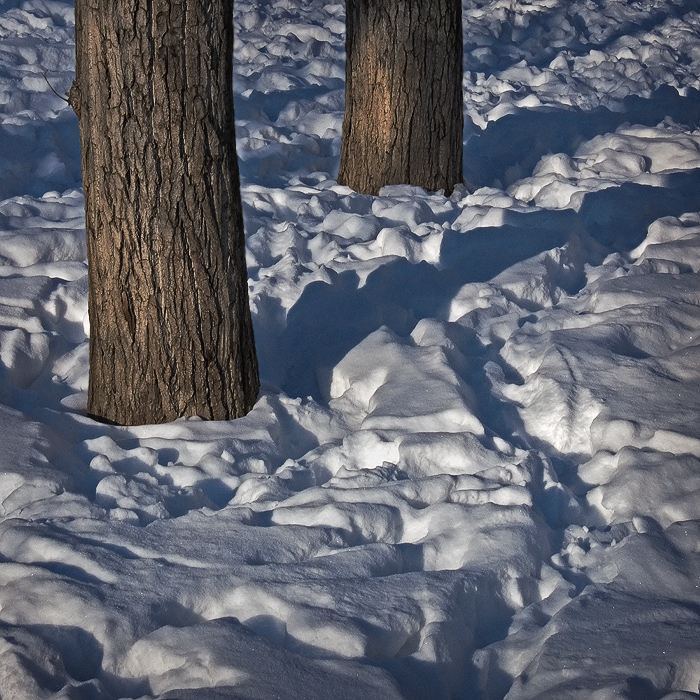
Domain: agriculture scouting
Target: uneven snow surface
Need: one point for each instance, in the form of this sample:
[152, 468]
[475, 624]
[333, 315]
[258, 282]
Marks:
[474, 468]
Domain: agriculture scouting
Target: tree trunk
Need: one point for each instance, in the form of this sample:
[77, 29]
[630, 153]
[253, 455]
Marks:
[403, 95]
[170, 327]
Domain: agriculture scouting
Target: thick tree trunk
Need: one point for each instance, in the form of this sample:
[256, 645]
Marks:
[403, 95]
[170, 327]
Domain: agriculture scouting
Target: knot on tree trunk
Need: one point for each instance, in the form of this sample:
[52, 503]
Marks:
[74, 97]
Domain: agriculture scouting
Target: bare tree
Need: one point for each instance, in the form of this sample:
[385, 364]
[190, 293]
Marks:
[170, 326]
[403, 95]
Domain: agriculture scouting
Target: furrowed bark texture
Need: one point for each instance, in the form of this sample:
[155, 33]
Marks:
[403, 95]
[170, 327]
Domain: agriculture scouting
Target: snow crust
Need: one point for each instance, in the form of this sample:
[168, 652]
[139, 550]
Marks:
[474, 467]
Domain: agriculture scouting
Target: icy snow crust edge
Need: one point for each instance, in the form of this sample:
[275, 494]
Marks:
[473, 468]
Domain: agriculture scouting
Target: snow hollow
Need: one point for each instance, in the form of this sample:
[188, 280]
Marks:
[473, 471]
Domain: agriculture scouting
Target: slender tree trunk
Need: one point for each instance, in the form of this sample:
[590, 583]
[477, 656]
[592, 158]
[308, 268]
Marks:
[170, 327]
[403, 95]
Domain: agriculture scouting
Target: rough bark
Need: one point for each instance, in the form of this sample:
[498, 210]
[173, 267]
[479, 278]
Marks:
[403, 95]
[170, 327]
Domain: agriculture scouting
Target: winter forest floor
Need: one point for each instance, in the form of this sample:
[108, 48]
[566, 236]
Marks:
[473, 471]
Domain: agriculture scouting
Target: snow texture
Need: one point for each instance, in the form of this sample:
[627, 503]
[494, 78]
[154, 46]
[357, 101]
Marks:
[473, 471]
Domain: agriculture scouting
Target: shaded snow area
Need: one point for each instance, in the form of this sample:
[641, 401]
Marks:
[473, 471]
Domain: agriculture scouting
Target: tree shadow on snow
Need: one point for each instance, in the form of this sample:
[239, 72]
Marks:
[272, 103]
[503, 51]
[40, 157]
[329, 319]
[510, 148]
[618, 217]
[297, 151]
[79, 651]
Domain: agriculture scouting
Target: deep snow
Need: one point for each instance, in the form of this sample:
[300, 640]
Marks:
[474, 467]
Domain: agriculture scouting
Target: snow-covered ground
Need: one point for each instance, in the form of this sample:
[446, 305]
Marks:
[474, 468]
